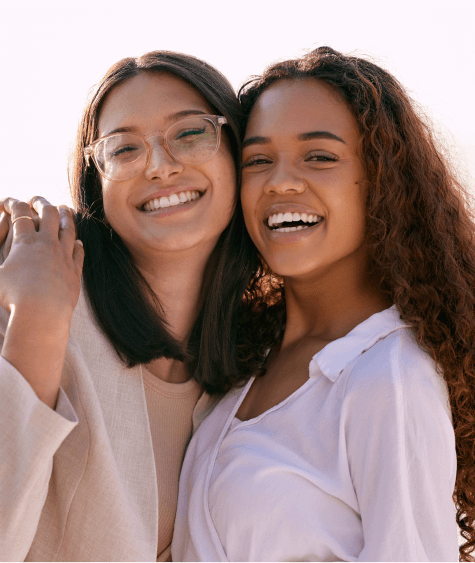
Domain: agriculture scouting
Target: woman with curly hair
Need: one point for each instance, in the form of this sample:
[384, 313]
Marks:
[359, 434]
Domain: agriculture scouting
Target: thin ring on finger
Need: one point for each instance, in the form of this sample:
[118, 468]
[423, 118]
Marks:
[22, 217]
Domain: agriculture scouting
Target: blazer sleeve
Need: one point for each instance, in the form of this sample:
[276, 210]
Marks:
[401, 454]
[30, 435]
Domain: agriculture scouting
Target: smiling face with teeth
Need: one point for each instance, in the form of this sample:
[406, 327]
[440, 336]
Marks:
[169, 206]
[303, 187]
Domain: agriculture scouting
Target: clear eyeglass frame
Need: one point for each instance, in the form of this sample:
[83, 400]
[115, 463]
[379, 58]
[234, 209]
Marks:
[217, 120]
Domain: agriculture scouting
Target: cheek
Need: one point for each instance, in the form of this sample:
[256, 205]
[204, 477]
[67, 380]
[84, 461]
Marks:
[107, 191]
[351, 226]
[112, 203]
[108, 201]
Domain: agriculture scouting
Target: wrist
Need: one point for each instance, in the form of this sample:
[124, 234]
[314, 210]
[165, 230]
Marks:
[35, 344]
[40, 317]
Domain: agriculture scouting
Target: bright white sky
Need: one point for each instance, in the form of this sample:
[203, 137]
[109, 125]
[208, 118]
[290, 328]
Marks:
[53, 52]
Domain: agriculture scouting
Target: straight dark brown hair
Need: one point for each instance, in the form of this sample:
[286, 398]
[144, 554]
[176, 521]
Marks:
[219, 352]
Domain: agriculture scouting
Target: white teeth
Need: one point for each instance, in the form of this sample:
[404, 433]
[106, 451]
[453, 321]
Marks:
[289, 217]
[171, 201]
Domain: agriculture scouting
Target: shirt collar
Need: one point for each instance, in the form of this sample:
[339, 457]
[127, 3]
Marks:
[334, 358]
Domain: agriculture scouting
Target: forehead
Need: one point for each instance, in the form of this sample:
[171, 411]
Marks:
[298, 106]
[148, 100]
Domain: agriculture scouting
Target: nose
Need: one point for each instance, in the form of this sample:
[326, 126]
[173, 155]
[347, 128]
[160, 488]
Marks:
[285, 180]
[161, 165]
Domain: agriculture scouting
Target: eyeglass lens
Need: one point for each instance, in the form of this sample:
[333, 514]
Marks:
[123, 156]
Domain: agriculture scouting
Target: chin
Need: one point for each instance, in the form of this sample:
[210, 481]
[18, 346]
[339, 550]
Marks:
[287, 269]
[295, 266]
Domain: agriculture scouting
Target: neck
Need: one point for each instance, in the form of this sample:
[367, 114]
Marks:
[179, 281]
[331, 304]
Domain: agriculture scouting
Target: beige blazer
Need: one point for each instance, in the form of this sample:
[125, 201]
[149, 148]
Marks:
[78, 483]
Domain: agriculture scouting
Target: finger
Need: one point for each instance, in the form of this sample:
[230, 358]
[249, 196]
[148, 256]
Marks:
[4, 227]
[32, 200]
[3, 202]
[21, 216]
[48, 213]
[78, 256]
[7, 203]
[67, 226]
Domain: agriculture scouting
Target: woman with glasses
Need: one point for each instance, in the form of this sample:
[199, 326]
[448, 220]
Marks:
[98, 385]
[350, 445]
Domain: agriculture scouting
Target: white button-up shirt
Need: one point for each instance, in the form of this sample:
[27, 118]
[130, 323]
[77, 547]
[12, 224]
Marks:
[358, 464]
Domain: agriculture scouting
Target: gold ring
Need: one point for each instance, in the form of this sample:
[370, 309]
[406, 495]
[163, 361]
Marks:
[22, 217]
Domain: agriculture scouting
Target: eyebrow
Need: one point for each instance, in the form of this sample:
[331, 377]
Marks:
[302, 137]
[172, 117]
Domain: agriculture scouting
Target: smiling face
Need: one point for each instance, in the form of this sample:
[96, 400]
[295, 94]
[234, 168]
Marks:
[303, 184]
[169, 206]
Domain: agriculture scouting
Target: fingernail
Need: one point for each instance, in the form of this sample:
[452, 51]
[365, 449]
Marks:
[80, 242]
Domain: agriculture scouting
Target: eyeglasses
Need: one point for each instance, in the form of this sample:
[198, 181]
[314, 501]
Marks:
[121, 156]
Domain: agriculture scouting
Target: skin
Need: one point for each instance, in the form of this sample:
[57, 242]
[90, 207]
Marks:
[329, 286]
[40, 278]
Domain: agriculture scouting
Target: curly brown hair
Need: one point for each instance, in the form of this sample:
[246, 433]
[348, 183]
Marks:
[420, 233]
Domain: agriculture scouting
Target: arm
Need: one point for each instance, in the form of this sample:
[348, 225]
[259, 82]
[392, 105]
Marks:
[401, 454]
[30, 369]
[39, 287]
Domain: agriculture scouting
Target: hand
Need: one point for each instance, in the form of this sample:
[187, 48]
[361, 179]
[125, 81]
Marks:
[40, 282]
[43, 268]
[6, 229]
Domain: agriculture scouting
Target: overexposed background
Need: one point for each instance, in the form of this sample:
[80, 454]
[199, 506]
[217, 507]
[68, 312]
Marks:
[52, 52]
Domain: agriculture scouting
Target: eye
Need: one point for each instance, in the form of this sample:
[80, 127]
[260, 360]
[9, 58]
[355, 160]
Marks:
[189, 134]
[321, 157]
[256, 160]
[123, 150]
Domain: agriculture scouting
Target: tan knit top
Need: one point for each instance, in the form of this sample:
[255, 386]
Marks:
[170, 407]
